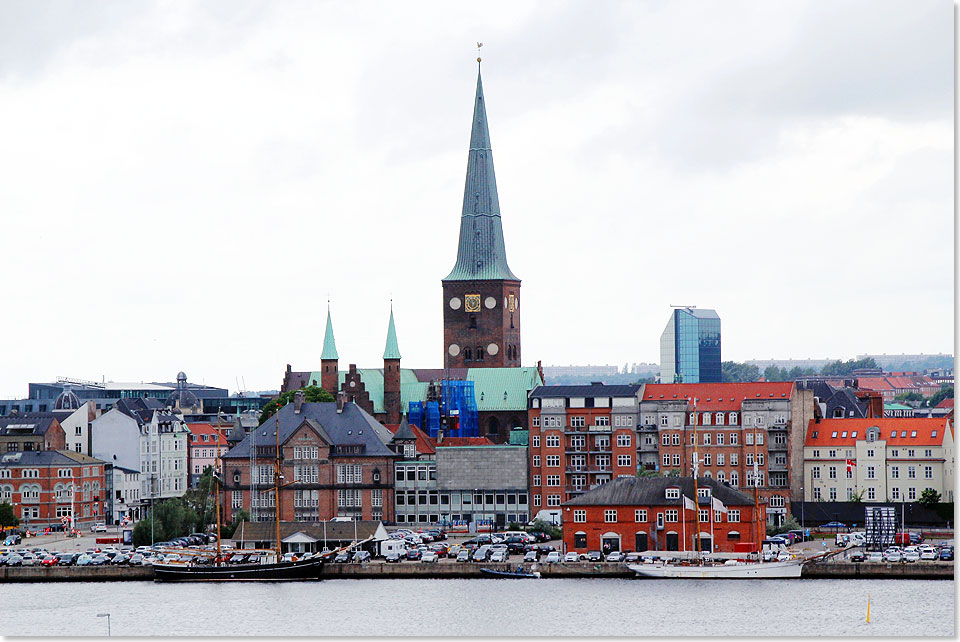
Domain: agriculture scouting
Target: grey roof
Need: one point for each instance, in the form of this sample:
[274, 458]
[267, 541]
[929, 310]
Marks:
[67, 400]
[404, 431]
[335, 531]
[351, 427]
[592, 390]
[141, 409]
[651, 491]
[481, 253]
[26, 424]
[45, 458]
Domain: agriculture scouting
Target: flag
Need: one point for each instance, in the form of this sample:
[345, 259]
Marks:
[688, 503]
[756, 473]
[696, 465]
[850, 464]
[717, 505]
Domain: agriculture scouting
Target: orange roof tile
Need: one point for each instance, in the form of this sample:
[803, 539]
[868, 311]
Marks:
[425, 445]
[874, 383]
[896, 431]
[465, 441]
[200, 429]
[946, 402]
[717, 396]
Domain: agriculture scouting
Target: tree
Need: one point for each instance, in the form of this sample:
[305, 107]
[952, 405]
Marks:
[201, 501]
[173, 518]
[944, 393]
[311, 394]
[7, 516]
[856, 497]
[929, 498]
[842, 368]
[227, 530]
[546, 527]
[909, 396]
[733, 371]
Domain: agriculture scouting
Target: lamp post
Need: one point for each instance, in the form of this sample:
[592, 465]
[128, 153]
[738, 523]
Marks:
[106, 615]
[803, 531]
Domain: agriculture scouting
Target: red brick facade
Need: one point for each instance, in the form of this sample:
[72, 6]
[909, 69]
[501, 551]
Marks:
[481, 324]
[47, 486]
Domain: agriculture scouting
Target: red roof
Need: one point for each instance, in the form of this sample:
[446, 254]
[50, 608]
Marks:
[874, 383]
[207, 429]
[425, 445]
[896, 431]
[465, 441]
[718, 396]
[946, 402]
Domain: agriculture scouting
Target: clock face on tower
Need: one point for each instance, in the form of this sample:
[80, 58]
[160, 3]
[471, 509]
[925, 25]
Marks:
[471, 302]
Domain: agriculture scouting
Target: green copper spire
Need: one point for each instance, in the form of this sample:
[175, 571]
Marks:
[329, 343]
[481, 253]
[391, 350]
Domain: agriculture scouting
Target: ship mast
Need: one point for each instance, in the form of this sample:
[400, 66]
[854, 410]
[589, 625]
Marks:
[216, 481]
[756, 491]
[276, 484]
[696, 490]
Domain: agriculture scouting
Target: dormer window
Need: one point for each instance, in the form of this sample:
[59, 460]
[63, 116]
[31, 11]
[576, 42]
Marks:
[703, 493]
[673, 493]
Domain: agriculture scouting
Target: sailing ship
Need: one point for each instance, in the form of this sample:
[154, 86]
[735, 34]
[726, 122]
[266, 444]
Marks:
[273, 567]
[705, 569]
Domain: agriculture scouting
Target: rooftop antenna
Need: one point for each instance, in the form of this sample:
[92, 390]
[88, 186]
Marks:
[479, 44]
[682, 306]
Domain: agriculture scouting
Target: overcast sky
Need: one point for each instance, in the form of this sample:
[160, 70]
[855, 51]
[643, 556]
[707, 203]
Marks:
[184, 184]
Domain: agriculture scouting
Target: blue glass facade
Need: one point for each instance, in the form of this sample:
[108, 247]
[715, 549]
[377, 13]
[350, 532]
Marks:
[690, 347]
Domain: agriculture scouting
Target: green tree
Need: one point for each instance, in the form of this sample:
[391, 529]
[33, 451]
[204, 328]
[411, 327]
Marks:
[173, 518]
[227, 530]
[944, 393]
[7, 516]
[311, 394]
[909, 396]
[201, 500]
[546, 527]
[929, 498]
[733, 371]
[843, 368]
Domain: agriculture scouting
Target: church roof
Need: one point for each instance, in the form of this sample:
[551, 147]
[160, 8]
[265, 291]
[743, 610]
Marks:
[481, 253]
[404, 431]
[391, 350]
[329, 343]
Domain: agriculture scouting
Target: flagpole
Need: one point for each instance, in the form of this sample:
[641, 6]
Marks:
[696, 490]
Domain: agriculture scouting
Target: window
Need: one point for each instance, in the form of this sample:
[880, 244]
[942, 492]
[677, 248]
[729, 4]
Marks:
[895, 472]
[553, 500]
[733, 515]
[609, 516]
[928, 453]
[894, 493]
[719, 438]
[911, 452]
[673, 493]
[734, 438]
[676, 439]
[832, 472]
[928, 472]
[734, 459]
[552, 441]
[623, 441]
[733, 418]
[376, 497]
[870, 452]
[704, 516]
[721, 458]
[833, 494]
[912, 472]
[831, 454]
[816, 493]
[640, 515]
[734, 478]
[577, 422]
[719, 421]
[536, 461]
[911, 494]
[535, 422]
[536, 500]
[536, 480]
[601, 421]
[706, 459]
[580, 516]
[624, 460]
[672, 515]
[676, 460]
[666, 460]
[553, 461]
[553, 480]
[871, 493]
[749, 459]
[665, 439]
[706, 439]
[663, 420]
[815, 472]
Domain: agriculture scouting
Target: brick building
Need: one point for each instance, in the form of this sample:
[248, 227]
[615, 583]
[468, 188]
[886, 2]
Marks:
[202, 449]
[46, 485]
[335, 454]
[739, 427]
[888, 459]
[640, 514]
[31, 431]
[580, 437]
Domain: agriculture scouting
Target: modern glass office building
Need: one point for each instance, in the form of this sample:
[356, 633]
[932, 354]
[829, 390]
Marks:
[690, 347]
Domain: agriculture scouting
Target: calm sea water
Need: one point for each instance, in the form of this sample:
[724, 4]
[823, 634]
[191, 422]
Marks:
[484, 608]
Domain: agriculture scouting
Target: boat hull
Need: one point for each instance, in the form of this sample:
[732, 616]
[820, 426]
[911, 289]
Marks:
[284, 571]
[745, 571]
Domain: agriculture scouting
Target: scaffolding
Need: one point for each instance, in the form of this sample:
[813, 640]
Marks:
[450, 406]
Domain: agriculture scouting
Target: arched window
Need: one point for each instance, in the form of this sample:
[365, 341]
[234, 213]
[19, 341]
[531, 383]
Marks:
[473, 321]
[479, 354]
[6, 493]
[468, 354]
[838, 413]
[720, 476]
[734, 478]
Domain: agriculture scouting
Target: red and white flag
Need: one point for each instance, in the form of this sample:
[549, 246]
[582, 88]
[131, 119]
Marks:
[850, 464]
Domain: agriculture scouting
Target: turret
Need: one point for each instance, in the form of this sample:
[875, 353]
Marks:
[391, 374]
[329, 375]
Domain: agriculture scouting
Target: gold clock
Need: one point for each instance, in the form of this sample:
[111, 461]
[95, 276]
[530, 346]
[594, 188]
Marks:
[471, 303]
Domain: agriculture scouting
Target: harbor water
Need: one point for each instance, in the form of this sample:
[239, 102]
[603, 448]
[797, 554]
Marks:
[546, 607]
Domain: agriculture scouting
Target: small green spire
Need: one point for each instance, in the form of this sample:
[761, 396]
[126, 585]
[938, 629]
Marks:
[392, 350]
[329, 343]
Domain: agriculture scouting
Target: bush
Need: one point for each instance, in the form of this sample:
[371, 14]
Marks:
[546, 527]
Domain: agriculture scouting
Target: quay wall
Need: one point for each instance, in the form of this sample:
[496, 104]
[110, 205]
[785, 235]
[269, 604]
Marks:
[74, 573]
[873, 570]
[381, 570]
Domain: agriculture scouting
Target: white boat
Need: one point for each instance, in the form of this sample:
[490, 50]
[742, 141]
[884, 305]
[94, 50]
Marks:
[730, 570]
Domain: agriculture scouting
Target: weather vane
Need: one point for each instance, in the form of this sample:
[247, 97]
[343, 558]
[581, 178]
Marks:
[479, 44]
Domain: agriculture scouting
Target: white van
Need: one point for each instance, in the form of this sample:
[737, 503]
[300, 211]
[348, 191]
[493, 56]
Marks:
[397, 546]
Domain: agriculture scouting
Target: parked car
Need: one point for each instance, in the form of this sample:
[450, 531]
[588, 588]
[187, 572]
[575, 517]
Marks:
[122, 559]
[929, 554]
[99, 527]
[632, 558]
[361, 556]
[430, 557]
[594, 556]
[946, 553]
[499, 556]
[911, 556]
[482, 554]
[454, 550]
[12, 540]
[571, 557]
[49, 560]
[463, 555]
[892, 556]
[392, 558]
[67, 559]
[553, 557]
[540, 536]
[530, 556]
[615, 556]
[875, 556]
[29, 559]
[833, 525]
[342, 557]
[13, 559]
[857, 556]
[414, 554]
[136, 559]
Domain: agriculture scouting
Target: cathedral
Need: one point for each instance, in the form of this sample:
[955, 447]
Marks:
[481, 322]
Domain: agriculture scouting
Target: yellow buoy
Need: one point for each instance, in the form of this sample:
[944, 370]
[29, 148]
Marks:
[868, 609]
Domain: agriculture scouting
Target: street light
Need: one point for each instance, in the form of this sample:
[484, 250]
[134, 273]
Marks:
[106, 615]
[803, 531]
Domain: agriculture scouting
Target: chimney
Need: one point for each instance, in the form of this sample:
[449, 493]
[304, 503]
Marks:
[341, 399]
[298, 398]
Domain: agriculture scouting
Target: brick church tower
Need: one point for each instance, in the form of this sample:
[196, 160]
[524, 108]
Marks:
[391, 375]
[481, 296]
[329, 375]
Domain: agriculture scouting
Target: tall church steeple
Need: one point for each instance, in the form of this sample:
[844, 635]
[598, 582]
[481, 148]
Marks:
[391, 374]
[329, 375]
[481, 316]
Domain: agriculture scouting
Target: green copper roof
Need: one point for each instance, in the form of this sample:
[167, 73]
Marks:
[481, 253]
[503, 388]
[329, 343]
[391, 350]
